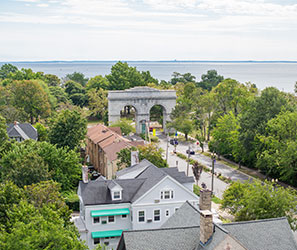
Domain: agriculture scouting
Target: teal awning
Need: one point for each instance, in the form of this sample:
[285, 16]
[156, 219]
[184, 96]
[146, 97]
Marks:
[104, 234]
[109, 212]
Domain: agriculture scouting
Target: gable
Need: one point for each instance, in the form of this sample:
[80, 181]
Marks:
[180, 193]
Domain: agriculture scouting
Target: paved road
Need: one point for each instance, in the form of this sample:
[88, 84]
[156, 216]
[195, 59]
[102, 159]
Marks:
[173, 161]
[219, 167]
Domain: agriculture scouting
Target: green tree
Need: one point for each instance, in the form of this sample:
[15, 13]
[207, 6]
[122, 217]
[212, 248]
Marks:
[125, 126]
[182, 78]
[77, 77]
[256, 200]
[67, 129]
[123, 76]
[277, 157]
[3, 132]
[59, 93]
[76, 93]
[210, 80]
[97, 82]
[52, 80]
[23, 167]
[33, 228]
[226, 134]
[151, 152]
[254, 118]
[42, 132]
[10, 194]
[6, 70]
[98, 103]
[30, 97]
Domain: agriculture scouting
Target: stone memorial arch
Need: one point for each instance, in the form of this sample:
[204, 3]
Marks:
[142, 99]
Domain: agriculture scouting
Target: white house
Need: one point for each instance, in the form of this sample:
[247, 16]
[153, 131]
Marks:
[142, 197]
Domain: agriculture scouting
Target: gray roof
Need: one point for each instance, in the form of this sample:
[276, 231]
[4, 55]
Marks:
[186, 216]
[176, 233]
[97, 192]
[23, 130]
[179, 176]
[143, 177]
[269, 234]
[165, 239]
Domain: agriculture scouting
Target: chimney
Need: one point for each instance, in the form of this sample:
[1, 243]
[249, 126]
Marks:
[206, 222]
[134, 158]
[85, 173]
[205, 199]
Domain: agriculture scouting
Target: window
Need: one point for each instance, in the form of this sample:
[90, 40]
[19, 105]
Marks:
[167, 194]
[124, 216]
[96, 241]
[167, 213]
[110, 219]
[103, 221]
[157, 215]
[106, 243]
[141, 216]
[96, 220]
[117, 195]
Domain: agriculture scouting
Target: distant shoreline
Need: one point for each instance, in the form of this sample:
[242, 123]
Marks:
[147, 61]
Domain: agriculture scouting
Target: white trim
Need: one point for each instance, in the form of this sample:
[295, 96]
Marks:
[167, 210]
[175, 181]
[159, 215]
[144, 212]
[114, 219]
[96, 224]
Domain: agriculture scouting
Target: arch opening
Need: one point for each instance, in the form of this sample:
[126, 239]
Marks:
[157, 117]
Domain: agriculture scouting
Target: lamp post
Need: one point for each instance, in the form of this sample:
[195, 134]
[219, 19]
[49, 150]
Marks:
[188, 161]
[167, 149]
[213, 159]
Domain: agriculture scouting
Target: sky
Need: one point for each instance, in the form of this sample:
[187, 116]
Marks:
[34, 30]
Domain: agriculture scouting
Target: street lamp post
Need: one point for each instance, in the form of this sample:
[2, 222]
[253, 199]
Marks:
[167, 149]
[188, 161]
[213, 159]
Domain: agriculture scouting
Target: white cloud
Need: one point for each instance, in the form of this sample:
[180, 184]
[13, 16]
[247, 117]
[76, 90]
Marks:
[42, 5]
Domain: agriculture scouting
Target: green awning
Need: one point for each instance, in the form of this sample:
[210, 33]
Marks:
[104, 234]
[109, 212]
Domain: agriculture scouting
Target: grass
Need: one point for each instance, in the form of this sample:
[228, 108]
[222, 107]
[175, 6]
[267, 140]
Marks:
[214, 199]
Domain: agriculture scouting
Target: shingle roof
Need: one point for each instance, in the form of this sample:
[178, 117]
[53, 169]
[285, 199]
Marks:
[269, 234]
[139, 179]
[185, 216]
[163, 239]
[179, 176]
[110, 141]
[24, 130]
[97, 192]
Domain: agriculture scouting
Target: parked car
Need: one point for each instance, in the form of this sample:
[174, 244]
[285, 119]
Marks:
[191, 152]
[173, 141]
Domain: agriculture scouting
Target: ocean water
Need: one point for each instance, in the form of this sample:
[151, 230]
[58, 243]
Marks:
[280, 75]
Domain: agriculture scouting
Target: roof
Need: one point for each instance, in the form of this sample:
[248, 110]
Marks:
[267, 234]
[97, 192]
[165, 239]
[135, 181]
[186, 216]
[23, 130]
[139, 169]
[109, 140]
[270, 234]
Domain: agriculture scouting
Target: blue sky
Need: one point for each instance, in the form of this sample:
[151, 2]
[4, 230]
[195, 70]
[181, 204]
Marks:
[148, 30]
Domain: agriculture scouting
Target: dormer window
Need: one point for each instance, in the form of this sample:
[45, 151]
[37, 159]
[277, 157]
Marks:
[166, 194]
[116, 195]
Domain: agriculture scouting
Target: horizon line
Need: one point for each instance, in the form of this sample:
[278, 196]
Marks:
[160, 61]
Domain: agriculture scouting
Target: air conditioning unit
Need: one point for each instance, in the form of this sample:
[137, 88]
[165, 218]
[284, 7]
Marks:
[149, 220]
[157, 201]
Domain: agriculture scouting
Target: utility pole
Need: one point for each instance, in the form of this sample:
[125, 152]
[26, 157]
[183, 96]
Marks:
[167, 148]
[188, 161]
[213, 158]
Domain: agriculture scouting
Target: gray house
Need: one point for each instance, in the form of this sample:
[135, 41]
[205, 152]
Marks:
[142, 197]
[21, 131]
[192, 229]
